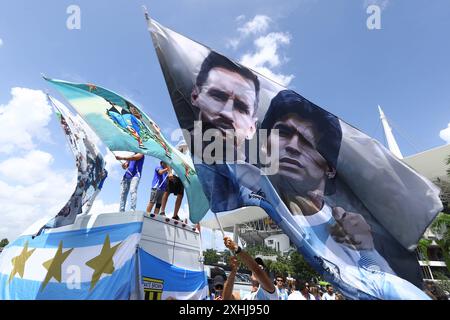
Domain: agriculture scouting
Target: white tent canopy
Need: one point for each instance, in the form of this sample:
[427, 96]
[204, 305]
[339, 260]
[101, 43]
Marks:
[234, 217]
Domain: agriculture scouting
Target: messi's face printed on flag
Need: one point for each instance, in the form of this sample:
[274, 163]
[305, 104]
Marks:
[330, 216]
[226, 96]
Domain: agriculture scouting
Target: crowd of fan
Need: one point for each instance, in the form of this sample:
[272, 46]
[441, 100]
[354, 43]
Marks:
[263, 287]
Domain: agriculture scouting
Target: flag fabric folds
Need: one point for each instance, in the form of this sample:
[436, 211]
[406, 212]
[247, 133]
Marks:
[75, 262]
[122, 126]
[90, 164]
[353, 210]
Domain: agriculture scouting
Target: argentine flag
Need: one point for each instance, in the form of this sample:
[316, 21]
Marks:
[95, 258]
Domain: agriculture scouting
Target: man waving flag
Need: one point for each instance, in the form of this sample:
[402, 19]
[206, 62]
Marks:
[122, 126]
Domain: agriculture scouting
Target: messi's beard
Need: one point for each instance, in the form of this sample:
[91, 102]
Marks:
[224, 145]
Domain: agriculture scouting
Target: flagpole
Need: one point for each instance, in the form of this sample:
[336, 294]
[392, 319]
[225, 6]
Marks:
[147, 16]
[121, 161]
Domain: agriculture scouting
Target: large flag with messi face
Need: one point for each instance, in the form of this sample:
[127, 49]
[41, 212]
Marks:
[95, 258]
[122, 126]
[353, 210]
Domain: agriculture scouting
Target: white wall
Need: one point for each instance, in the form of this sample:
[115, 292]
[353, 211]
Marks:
[279, 242]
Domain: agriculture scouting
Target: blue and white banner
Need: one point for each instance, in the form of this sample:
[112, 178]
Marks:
[90, 164]
[352, 208]
[76, 262]
[163, 281]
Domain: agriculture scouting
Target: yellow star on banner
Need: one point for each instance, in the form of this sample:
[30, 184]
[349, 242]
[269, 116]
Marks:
[54, 265]
[19, 262]
[103, 263]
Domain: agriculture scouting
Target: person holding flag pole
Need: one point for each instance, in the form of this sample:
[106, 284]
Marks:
[133, 165]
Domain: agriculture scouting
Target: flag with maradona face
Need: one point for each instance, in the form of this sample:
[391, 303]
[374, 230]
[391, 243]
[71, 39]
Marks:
[352, 209]
[96, 258]
[122, 126]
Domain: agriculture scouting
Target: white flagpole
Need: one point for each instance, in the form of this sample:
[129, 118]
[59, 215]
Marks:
[220, 225]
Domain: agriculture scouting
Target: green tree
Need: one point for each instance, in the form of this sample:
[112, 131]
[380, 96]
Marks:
[4, 243]
[422, 246]
[226, 256]
[448, 164]
[300, 268]
[444, 283]
[211, 256]
[255, 250]
[441, 225]
[441, 228]
[293, 264]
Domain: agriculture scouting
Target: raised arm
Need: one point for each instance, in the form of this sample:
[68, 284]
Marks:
[248, 260]
[135, 157]
[163, 170]
[229, 284]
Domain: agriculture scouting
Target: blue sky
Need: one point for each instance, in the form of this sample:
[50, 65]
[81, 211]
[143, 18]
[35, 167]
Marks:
[324, 47]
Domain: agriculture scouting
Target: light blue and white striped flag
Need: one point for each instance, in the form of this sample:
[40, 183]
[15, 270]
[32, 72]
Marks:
[95, 258]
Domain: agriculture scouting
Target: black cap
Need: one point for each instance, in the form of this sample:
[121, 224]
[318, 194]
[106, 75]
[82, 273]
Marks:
[218, 280]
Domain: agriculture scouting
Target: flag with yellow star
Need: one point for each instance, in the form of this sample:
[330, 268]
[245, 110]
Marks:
[99, 262]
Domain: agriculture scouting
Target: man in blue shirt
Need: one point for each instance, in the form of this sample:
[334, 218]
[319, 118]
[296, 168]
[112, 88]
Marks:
[158, 187]
[130, 181]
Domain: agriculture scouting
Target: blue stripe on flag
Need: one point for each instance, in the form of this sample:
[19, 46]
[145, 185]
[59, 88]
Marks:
[175, 279]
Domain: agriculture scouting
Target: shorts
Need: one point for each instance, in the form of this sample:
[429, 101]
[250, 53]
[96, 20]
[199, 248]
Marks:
[156, 195]
[175, 186]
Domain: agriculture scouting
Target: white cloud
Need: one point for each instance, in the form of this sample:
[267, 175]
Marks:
[445, 134]
[1, 42]
[233, 43]
[240, 18]
[30, 169]
[23, 203]
[30, 186]
[267, 56]
[267, 50]
[258, 24]
[100, 207]
[23, 120]
[279, 78]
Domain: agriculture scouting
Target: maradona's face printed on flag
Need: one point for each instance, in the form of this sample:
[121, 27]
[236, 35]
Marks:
[308, 141]
[226, 96]
[299, 160]
[305, 141]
